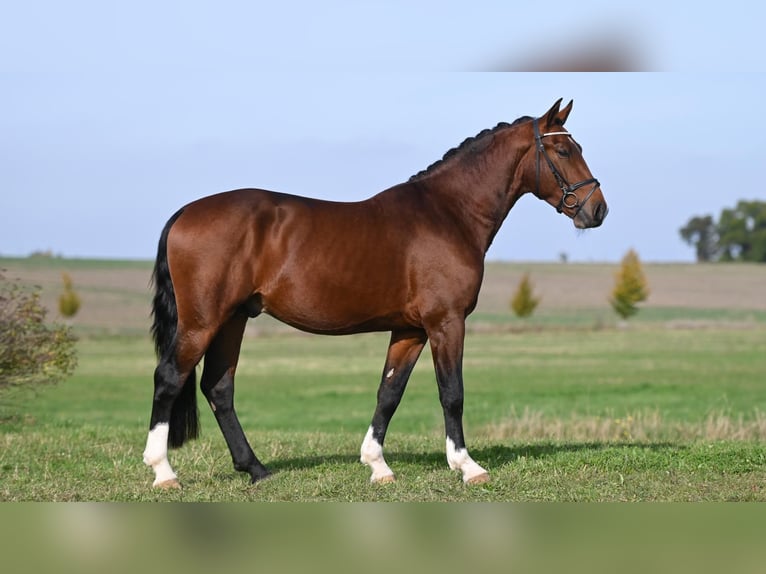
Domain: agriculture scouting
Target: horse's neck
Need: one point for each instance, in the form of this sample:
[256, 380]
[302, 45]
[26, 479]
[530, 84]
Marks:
[480, 197]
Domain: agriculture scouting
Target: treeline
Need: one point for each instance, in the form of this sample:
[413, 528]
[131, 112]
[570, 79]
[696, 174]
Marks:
[739, 234]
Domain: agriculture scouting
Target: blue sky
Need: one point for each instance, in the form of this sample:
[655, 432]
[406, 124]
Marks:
[111, 118]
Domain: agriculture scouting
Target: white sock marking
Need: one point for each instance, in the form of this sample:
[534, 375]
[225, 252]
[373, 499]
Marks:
[156, 454]
[460, 460]
[372, 456]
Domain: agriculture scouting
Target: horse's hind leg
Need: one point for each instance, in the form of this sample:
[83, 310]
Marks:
[403, 352]
[218, 387]
[166, 389]
[174, 408]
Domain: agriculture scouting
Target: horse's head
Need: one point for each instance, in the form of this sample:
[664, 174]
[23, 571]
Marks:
[561, 176]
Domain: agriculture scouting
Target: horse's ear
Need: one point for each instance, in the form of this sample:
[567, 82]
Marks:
[562, 116]
[550, 115]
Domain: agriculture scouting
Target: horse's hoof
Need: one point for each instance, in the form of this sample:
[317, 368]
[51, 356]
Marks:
[478, 479]
[171, 484]
[385, 479]
[260, 476]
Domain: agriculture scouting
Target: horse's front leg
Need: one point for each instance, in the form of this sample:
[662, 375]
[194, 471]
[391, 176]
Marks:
[447, 349]
[403, 352]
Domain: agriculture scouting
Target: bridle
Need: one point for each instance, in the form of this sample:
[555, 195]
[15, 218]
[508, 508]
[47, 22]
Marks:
[569, 199]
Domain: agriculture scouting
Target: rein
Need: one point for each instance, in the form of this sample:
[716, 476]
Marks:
[567, 190]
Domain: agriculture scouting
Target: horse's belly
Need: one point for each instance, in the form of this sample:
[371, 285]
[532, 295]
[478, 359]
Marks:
[337, 315]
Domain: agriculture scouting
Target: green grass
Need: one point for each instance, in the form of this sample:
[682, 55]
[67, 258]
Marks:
[89, 464]
[306, 401]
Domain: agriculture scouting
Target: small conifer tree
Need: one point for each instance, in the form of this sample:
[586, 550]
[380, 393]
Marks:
[524, 302]
[69, 300]
[630, 286]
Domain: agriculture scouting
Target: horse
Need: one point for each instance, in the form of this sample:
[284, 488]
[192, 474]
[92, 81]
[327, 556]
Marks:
[409, 260]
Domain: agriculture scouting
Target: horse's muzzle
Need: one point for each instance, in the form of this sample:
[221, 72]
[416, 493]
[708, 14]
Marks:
[587, 220]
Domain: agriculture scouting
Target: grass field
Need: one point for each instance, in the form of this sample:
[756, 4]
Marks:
[568, 406]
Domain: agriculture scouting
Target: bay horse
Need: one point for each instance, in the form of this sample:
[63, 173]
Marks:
[409, 260]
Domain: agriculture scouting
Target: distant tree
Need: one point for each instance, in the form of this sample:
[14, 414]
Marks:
[524, 302]
[742, 232]
[31, 351]
[700, 232]
[69, 300]
[630, 286]
[738, 235]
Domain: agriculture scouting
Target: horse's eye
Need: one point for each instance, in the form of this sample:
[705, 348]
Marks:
[562, 151]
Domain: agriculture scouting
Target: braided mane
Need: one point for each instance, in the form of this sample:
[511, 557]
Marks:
[471, 143]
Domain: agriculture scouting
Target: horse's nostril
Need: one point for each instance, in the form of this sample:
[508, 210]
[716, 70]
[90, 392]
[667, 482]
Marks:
[600, 213]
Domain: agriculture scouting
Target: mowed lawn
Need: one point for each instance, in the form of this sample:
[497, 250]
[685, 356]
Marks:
[645, 414]
[569, 406]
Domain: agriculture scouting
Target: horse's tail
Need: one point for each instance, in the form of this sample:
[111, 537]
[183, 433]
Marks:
[184, 417]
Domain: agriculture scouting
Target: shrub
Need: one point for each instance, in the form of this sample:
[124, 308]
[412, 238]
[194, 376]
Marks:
[31, 351]
[69, 300]
[524, 302]
[630, 286]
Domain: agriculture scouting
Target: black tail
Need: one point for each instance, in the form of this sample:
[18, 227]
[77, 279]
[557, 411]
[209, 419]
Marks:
[184, 418]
